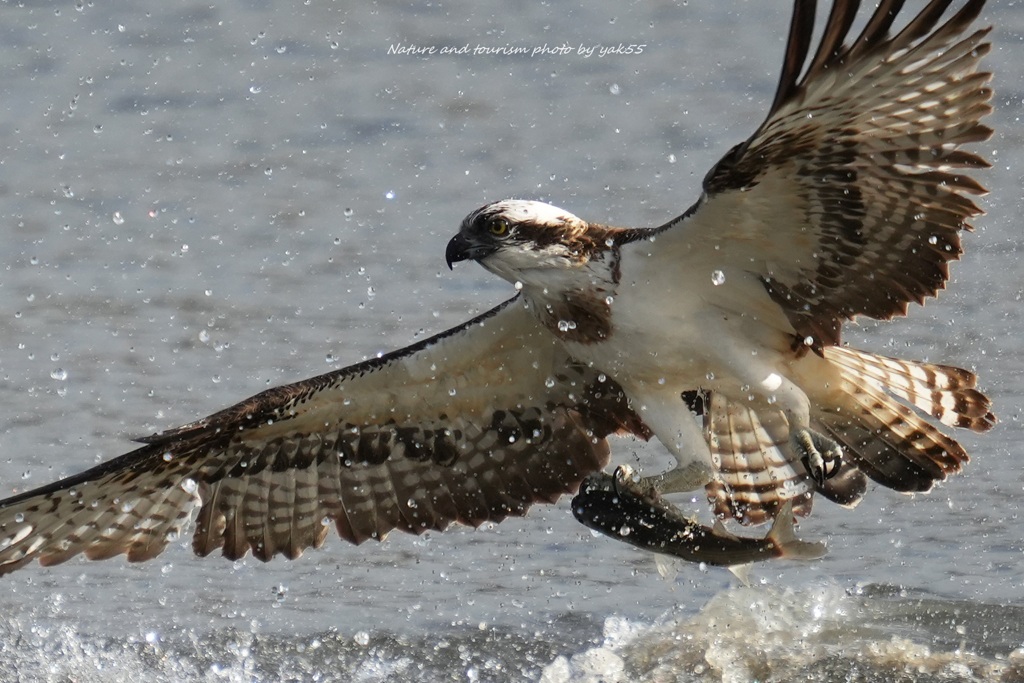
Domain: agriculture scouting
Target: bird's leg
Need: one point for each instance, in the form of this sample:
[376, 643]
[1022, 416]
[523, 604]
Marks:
[664, 411]
[680, 479]
[821, 455]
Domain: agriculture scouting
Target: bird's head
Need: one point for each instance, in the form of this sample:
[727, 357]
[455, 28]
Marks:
[516, 238]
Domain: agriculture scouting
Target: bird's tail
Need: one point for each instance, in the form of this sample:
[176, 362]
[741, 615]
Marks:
[888, 440]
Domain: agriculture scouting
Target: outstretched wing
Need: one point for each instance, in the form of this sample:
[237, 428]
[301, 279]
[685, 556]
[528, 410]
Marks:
[848, 200]
[850, 197]
[475, 424]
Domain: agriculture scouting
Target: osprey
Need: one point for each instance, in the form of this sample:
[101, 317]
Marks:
[847, 201]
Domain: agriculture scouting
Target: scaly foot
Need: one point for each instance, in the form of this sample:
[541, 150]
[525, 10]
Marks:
[679, 480]
[821, 455]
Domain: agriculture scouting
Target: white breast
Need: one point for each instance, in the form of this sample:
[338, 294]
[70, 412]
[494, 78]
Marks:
[668, 323]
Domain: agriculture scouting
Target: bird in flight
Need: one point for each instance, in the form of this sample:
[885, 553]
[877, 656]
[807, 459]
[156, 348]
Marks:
[717, 333]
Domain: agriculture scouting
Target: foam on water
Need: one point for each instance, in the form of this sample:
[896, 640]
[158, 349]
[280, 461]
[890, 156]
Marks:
[214, 280]
[821, 634]
[759, 634]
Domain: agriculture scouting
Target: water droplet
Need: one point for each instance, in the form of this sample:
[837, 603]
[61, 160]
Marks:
[59, 374]
[614, 89]
[808, 340]
[118, 218]
[717, 277]
[549, 382]
[168, 456]
[412, 503]
[188, 485]
[362, 638]
[625, 530]
[348, 212]
[19, 517]
[933, 239]
[671, 158]
[390, 194]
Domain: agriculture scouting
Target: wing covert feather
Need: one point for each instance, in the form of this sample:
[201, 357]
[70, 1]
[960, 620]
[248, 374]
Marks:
[473, 425]
[850, 198]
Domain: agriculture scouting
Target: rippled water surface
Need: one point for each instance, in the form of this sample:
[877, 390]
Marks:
[200, 200]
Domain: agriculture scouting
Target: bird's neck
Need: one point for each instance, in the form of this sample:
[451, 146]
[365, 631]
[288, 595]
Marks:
[574, 302]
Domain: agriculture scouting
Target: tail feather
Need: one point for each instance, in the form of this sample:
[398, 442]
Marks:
[874, 416]
[889, 441]
[757, 470]
[945, 392]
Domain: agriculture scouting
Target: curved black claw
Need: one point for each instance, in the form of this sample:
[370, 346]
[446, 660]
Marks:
[822, 456]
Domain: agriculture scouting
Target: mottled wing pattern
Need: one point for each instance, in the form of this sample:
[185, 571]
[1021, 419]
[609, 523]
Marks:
[473, 425]
[290, 491]
[849, 200]
[850, 197]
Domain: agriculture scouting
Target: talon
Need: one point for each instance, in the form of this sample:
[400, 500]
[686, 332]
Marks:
[622, 478]
[627, 483]
[822, 457]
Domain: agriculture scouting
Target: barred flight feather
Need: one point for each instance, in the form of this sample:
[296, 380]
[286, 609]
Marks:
[850, 199]
[269, 475]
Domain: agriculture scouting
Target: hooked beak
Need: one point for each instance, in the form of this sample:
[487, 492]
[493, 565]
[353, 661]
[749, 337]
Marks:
[461, 248]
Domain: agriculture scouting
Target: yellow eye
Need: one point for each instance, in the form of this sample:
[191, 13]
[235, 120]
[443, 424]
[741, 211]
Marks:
[498, 227]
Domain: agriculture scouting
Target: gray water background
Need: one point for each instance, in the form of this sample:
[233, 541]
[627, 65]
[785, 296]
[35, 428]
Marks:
[200, 200]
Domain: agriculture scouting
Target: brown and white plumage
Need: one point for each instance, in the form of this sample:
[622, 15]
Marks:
[848, 200]
[474, 425]
[860, 159]
[863, 141]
